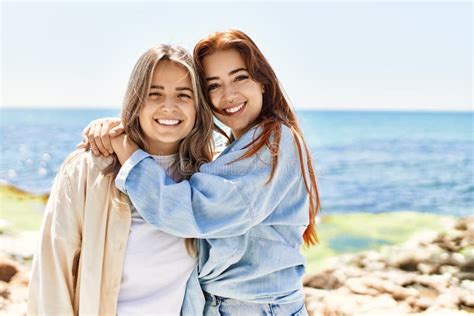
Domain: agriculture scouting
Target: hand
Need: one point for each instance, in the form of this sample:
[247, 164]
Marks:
[123, 147]
[97, 135]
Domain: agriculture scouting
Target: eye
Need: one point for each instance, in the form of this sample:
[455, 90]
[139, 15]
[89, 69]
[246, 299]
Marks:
[241, 77]
[184, 96]
[213, 86]
[154, 95]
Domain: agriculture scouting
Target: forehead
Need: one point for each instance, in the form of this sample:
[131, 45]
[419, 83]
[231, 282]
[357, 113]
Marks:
[223, 62]
[171, 73]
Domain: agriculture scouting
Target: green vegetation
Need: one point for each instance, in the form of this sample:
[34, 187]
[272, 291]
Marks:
[350, 233]
[20, 210]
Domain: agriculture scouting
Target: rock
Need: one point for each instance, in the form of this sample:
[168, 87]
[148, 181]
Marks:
[468, 285]
[420, 304]
[13, 286]
[429, 274]
[22, 278]
[447, 300]
[458, 259]
[358, 286]
[468, 300]
[468, 265]
[465, 224]
[424, 238]
[346, 305]
[324, 280]
[8, 268]
[426, 268]
[466, 276]
[452, 270]
[4, 290]
[374, 266]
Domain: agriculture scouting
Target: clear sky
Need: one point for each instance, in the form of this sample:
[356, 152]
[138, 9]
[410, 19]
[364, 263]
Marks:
[328, 55]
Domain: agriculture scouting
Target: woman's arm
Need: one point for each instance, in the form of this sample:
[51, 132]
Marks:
[225, 199]
[54, 268]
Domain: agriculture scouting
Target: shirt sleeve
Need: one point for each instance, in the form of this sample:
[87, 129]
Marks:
[54, 267]
[226, 198]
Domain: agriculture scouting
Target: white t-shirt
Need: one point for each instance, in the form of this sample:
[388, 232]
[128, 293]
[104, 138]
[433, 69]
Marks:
[156, 267]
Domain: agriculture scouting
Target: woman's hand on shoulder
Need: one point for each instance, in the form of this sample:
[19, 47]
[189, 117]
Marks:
[97, 135]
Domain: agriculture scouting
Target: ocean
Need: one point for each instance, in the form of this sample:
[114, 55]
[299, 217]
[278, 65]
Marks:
[365, 161]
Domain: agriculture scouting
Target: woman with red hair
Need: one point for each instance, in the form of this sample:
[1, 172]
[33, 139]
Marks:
[253, 207]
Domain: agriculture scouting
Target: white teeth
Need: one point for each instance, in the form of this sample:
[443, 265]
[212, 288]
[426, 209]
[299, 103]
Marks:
[168, 122]
[235, 108]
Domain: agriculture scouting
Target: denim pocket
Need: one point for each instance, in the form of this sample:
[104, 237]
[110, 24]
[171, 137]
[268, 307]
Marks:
[301, 312]
[291, 309]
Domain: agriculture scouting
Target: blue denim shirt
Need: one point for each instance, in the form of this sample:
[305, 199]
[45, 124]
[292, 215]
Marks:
[250, 231]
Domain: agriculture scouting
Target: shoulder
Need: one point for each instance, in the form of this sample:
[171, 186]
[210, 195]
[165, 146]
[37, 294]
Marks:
[287, 136]
[290, 142]
[84, 162]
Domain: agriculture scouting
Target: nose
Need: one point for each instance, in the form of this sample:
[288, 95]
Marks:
[169, 105]
[230, 94]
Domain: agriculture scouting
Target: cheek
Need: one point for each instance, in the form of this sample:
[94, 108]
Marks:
[258, 98]
[145, 117]
[190, 112]
[142, 118]
[192, 119]
[146, 111]
[215, 99]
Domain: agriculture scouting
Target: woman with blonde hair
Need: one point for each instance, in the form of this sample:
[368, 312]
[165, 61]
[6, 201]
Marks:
[97, 255]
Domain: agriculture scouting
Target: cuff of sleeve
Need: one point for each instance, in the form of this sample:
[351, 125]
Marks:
[131, 162]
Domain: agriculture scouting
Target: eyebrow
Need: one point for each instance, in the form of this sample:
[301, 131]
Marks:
[157, 87]
[230, 73]
[185, 88]
[178, 88]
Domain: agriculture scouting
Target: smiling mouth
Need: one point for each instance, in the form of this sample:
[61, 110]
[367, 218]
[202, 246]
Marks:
[235, 109]
[168, 122]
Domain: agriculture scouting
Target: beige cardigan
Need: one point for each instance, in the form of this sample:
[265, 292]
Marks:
[78, 266]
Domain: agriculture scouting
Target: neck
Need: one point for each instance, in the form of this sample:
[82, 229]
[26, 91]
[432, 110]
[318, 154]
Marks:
[238, 133]
[163, 149]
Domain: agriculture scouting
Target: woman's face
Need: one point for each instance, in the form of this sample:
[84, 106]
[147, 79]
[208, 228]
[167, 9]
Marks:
[232, 90]
[169, 112]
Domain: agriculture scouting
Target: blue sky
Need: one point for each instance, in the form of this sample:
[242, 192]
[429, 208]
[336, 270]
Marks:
[398, 55]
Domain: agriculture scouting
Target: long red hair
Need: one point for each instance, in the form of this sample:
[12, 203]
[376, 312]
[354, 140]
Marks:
[275, 111]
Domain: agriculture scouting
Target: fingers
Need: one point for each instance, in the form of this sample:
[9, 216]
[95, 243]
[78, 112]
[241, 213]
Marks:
[85, 131]
[94, 138]
[117, 130]
[105, 137]
[85, 140]
[99, 140]
[90, 137]
[97, 135]
[107, 134]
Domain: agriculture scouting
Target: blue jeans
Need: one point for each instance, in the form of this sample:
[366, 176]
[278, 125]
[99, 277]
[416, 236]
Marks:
[216, 305]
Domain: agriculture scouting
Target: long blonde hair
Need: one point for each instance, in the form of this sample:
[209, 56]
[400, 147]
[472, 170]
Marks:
[197, 147]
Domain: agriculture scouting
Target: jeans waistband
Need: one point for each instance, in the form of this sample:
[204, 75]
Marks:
[237, 307]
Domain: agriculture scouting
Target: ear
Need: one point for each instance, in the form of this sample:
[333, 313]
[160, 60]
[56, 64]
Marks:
[263, 89]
